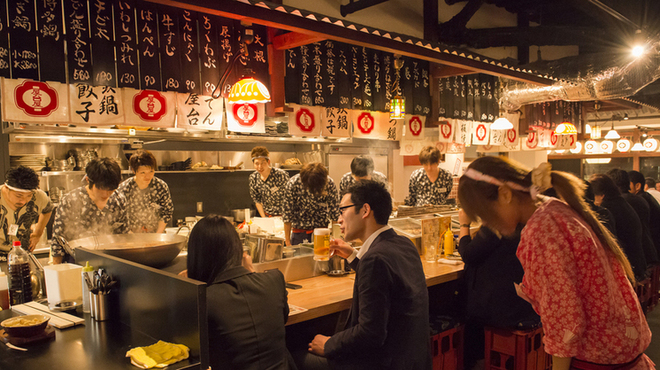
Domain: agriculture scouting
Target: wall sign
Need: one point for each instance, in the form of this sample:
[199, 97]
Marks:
[198, 112]
[149, 108]
[22, 25]
[246, 118]
[50, 32]
[335, 122]
[305, 120]
[34, 101]
[128, 74]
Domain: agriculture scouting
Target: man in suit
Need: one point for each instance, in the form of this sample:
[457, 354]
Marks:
[388, 325]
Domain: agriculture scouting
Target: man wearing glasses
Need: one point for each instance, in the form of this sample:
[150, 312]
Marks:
[24, 210]
[388, 324]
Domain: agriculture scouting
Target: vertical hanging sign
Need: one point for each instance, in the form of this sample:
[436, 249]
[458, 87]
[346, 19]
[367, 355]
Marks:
[378, 87]
[168, 35]
[147, 28]
[343, 76]
[22, 23]
[305, 76]
[417, 87]
[4, 41]
[424, 95]
[334, 122]
[103, 44]
[330, 75]
[209, 53]
[126, 45]
[367, 98]
[356, 78]
[407, 84]
[226, 41]
[190, 79]
[258, 55]
[51, 40]
[317, 74]
[292, 81]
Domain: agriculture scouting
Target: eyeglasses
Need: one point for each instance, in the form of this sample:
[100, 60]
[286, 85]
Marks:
[342, 209]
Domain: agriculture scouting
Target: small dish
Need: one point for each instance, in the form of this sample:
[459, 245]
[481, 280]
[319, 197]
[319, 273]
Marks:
[64, 306]
[15, 326]
[337, 273]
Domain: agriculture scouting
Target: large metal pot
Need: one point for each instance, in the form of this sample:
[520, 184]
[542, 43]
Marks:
[155, 250]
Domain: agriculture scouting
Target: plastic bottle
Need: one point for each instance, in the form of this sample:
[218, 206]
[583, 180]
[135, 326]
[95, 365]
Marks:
[20, 285]
[449, 243]
[85, 290]
[4, 291]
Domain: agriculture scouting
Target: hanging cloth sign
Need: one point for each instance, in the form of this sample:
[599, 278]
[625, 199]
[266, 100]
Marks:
[566, 141]
[394, 127]
[199, 112]
[335, 122]
[414, 127]
[149, 108]
[370, 125]
[511, 136]
[96, 105]
[497, 137]
[463, 132]
[33, 101]
[305, 120]
[480, 133]
[246, 118]
[531, 141]
[446, 131]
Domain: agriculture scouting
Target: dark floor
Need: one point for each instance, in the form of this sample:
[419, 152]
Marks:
[653, 351]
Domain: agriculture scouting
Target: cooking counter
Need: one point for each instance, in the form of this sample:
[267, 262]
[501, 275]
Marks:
[324, 295]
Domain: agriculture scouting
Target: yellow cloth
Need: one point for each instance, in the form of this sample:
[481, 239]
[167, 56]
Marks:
[159, 355]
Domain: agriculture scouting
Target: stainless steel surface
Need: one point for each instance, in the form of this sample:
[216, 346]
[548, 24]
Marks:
[155, 250]
[268, 249]
[239, 214]
[37, 278]
[295, 268]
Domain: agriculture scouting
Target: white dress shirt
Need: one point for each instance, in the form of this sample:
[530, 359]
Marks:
[367, 244]
[655, 193]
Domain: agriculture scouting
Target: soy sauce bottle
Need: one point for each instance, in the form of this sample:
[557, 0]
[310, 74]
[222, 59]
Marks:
[20, 285]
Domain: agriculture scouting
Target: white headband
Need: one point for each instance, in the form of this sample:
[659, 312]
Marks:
[17, 189]
[261, 156]
[541, 180]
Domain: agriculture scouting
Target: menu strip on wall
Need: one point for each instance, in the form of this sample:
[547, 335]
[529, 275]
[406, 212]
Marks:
[356, 77]
[305, 76]
[292, 81]
[147, 27]
[330, 70]
[128, 73]
[228, 44]
[103, 43]
[257, 62]
[406, 82]
[343, 75]
[50, 32]
[4, 41]
[169, 37]
[190, 76]
[367, 79]
[22, 24]
[317, 51]
[78, 41]
[209, 49]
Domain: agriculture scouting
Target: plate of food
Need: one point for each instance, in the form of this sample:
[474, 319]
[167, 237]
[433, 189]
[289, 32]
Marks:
[25, 326]
[292, 164]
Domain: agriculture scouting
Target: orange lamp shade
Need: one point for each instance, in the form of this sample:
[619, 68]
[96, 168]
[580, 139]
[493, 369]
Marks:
[249, 90]
[397, 107]
[565, 128]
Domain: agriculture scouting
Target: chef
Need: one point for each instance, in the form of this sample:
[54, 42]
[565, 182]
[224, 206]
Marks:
[311, 201]
[362, 168]
[267, 184]
[24, 210]
[149, 203]
[429, 185]
[93, 209]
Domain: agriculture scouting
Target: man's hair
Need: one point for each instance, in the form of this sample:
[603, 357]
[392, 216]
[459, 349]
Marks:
[604, 185]
[259, 151]
[22, 177]
[636, 177]
[142, 158]
[314, 177]
[621, 179]
[429, 155]
[375, 195]
[362, 165]
[650, 182]
[104, 173]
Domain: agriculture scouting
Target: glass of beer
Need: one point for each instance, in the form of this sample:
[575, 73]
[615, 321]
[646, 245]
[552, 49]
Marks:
[321, 244]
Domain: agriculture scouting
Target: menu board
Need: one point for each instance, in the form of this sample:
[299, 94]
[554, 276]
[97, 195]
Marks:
[24, 63]
[50, 32]
[367, 79]
[228, 46]
[317, 51]
[472, 98]
[126, 45]
[548, 115]
[355, 53]
[4, 41]
[103, 44]
[190, 78]
[209, 49]
[169, 37]
[79, 50]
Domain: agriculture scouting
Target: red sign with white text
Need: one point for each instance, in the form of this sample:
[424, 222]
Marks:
[36, 98]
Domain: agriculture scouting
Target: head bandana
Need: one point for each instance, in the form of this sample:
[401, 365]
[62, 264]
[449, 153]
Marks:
[18, 190]
[541, 180]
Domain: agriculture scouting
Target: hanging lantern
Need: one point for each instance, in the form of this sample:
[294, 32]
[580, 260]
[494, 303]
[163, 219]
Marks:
[595, 132]
[565, 128]
[250, 91]
[397, 107]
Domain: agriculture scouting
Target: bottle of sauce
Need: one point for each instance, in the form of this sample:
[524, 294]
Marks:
[20, 285]
[448, 243]
[4, 291]
[87, 270]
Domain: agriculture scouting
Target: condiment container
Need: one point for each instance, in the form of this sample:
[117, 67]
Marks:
[20, 284]
[87, 270]
[4, 291]
[448, 243]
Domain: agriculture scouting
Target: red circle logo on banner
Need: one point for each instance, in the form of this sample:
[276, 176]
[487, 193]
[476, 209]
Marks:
[481, 131]
[366, 122]
[553, 138]
[245, 114]
[305, 120]
[441, 147]
[150, 105]
[572, 140]
[36, 98]
[415, 125]
[531, 140]
[511, 135]
[445, 129]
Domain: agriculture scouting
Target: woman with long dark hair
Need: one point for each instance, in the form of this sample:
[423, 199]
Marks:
[246, 310]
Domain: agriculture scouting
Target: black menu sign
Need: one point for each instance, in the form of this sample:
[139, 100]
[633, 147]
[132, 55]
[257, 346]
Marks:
[367, 79]
[24, 62]
[190, 78]
[128, 73]
[378, 91]
[4, 41]
[50, 32]
[469, 82]
[79, 49]
[305, 76]
[456, 90]
[147, 28]
[169, 37]
[407, 84]
[476, 85]
[317, 74]
[423, 92]
[387, 78]
[356, 78]
[103, 43]
[343, 76]
[208, 34]
[257, 60]
[228, 47]
[330, 71]
[292, 80]
[463, 98]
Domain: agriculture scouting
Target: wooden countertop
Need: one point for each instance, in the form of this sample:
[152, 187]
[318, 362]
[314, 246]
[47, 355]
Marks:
[323, 295]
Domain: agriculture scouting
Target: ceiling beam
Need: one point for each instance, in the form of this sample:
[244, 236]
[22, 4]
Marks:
[440, 71]
[356, 5]
[514, 36]
[603, 13]
[458, 23]
[430, 10]
[292, 40]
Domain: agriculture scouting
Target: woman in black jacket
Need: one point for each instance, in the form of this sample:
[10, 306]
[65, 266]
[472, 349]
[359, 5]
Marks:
[247, 311]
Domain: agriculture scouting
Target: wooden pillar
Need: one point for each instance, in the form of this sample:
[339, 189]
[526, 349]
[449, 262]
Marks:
[276, 69]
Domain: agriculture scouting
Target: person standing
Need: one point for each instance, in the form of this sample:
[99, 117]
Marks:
[637, 183]
[24, 210]
[310, 202]
[649, 187]
[148, 200]
[577, 278]
[429, 185]
[388, 324]
[93, 209]
[362, 168]
[267, 184]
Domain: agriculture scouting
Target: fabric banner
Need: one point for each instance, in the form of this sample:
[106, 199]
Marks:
[305, 120]
[463, 132]
[33, 101]
[394, 127]
[446, 131]
[497, 137]
[480, 133]
[370, 125]
[149, 108]
[246, 117]
[96, 105]
[547, 138]
[566, 141]
[414, 127]
[531, 141]
[334, 122]
[199, 112]
[512, 140]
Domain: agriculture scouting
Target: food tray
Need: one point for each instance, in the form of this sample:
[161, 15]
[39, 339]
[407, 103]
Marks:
[408, 226]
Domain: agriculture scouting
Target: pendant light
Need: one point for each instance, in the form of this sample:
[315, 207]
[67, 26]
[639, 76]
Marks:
[612, 134]
[502, 123]
[638, 147]
[595, 132]
[565, 128]
[398, 102]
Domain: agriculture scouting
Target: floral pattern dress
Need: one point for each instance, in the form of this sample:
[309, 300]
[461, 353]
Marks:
[421, 191]
[269, 193]
[588, 307]
[146, 207]
[306, 211]
[348, 180]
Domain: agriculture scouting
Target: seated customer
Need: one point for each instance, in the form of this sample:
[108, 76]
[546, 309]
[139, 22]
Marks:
[246, 310]
[491, 269]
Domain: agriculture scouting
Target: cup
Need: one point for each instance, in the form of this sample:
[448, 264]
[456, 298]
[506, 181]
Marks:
[100, 307]
[321, 244]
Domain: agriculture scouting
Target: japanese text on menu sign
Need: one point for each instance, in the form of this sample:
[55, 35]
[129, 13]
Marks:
[209, 49]
[126, 44]
[189, 53]
[78, 41]
[103, 44]
[4, 41]
[24, 63]
[51, 40]
[148, 47]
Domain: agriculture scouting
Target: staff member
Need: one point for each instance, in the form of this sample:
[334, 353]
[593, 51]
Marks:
[429, 185]
[93, 209]
[149, 203]
[362, 168]
[311, 201]
[24, 210]
[267, 184]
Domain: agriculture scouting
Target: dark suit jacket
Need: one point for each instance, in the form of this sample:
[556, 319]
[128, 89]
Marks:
[628, 232]
[246, 313]
[388, 327]
[654, 220]
[644, 212]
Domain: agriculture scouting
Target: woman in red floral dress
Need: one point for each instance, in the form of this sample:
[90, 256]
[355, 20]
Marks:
[576, 276]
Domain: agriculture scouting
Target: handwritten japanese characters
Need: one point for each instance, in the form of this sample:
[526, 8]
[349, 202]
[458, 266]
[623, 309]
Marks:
[50, 33]
[147, 27]
[78, 42]
[128, 72]
[199, 112]
[22, 23]
[92, 105]
[103, 43]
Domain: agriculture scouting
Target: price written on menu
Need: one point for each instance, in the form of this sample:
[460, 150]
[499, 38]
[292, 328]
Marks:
[472, 98]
